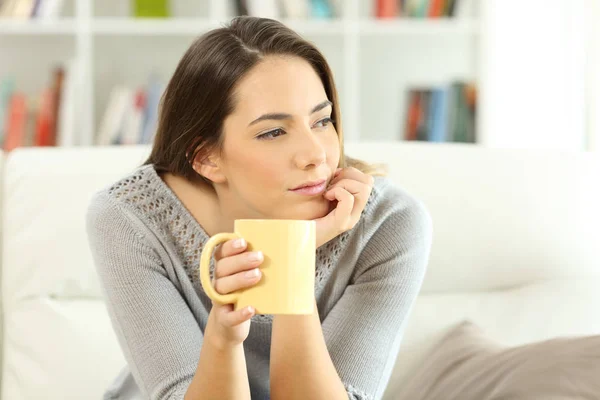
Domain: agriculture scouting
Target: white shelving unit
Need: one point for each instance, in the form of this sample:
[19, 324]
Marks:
[531, 77]
[371, 59]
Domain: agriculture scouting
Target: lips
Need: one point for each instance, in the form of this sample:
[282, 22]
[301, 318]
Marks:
[311, 188]
[310, 184]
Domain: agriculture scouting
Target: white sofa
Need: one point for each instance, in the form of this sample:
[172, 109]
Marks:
[516, 241]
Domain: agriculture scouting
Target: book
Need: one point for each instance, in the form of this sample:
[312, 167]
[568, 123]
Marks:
[321, 9]
[439, 115]
[7, 87]
[460, 120]
[442, 113]
[470, 94]
[337, 7]
[450, 8]
[422, 9]
[69, 107]
[413, 114]
[154, 92]
[49, 9]
[423, 126]
[411, 7]
[114, 116]
[43, 132]
[16, 120]
[132, 127]
[241, 7]
[436, 8]
[36, 8]
[386, 9]
[151, 8]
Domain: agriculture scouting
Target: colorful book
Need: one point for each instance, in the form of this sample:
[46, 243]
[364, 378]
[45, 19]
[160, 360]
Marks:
[450, 8]
[44, 126]
[436, 8]
[386, 9]
[151, 8]
[321, 9]
[422, 9]
[423, 127]
[7, 87]
[115, 113]
[16, 121]
[132, 128]
[150, 121]
[439, 115]
[470, 94]
[413, 114]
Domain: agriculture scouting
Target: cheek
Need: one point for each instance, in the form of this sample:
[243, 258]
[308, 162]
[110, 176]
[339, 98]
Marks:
[257, 171]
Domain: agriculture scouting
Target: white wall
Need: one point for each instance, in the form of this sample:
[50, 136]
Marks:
[593, 80]
[534, 74]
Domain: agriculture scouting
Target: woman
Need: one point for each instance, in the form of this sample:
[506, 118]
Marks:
[250, 128]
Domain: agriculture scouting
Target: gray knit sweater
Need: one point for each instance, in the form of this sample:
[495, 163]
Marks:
[146, 248]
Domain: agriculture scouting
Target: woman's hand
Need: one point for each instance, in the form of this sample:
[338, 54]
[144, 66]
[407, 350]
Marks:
[235, 269]
[348, 191]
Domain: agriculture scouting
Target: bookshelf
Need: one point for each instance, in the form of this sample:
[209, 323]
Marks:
[374, 61]
[113, 48]
[64, 26]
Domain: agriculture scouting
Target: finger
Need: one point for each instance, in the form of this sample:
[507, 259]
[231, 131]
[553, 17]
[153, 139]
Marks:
[234, 318]
[351, 185]
[237, 263]
[241, 280]
[230, 247]
[343, 210]
[358, 189]
[355, 174]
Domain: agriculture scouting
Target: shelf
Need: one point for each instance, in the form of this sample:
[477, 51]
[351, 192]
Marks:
[193, 26]
[63, 26]
[316, 27]
[131, 26]
[408, 26]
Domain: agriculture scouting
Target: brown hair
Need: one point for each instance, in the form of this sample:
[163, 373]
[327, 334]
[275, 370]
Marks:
[198, 97]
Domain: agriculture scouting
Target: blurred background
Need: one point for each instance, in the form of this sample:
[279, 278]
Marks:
[496, 73]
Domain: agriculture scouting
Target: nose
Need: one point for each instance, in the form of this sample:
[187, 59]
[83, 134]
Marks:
[310, 150]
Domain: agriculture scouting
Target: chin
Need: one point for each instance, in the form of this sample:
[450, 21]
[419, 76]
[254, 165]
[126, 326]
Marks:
[307, 211]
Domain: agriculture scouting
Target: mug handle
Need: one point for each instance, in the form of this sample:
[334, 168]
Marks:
[205, 269]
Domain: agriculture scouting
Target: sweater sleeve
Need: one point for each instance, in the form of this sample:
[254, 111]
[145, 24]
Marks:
[156, 330]
[364, 328]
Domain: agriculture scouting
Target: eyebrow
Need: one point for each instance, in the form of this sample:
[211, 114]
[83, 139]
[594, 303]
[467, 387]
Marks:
[280, 116]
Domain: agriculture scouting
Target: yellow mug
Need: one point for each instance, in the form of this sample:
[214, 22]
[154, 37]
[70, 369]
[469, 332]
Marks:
[287, 284]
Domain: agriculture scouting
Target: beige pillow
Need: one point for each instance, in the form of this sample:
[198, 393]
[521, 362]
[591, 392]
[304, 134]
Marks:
[467, 365]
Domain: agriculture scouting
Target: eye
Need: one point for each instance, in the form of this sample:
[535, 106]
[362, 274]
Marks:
[271, 134]
[325, 121]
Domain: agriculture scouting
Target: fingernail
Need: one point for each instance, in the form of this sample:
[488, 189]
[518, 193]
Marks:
[255, 256]
[248, 310]
[239, 243]
[253, 273]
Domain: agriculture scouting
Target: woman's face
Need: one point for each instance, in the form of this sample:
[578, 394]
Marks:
[279, 138]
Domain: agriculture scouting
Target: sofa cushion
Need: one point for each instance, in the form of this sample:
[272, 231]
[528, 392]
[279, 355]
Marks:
[501, 217]
[58, 341]
[468, 365]
[518, 316]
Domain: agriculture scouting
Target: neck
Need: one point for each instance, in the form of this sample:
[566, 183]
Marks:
[203, 202]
